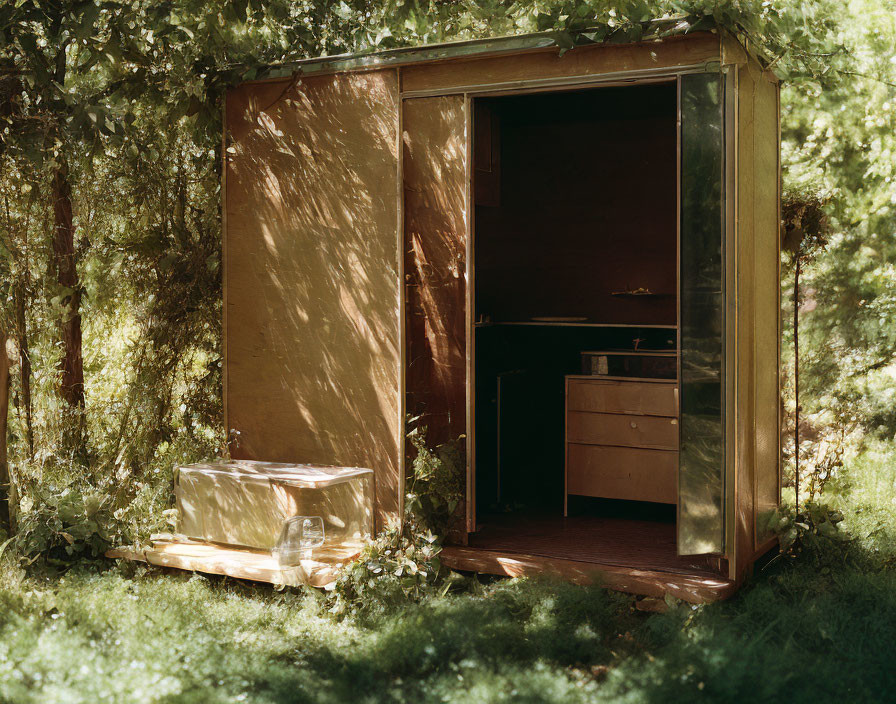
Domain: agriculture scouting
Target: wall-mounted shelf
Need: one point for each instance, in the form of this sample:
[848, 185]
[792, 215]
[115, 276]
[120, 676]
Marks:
[635, 353]
[608, 377]
[633, 326]
[641, 294]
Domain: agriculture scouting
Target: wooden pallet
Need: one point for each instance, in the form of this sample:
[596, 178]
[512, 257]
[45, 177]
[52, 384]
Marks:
[240, 563]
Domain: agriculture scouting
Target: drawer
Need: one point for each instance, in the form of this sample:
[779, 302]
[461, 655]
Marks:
[638, 397]
[627, 430]
[622, 473]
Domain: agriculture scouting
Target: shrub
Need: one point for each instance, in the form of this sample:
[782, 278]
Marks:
[402, 563]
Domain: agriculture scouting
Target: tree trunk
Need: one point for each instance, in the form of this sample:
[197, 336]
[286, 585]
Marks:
[24, 362]
[7, 512]
[71, 386]
[71, 366]
[796, 385]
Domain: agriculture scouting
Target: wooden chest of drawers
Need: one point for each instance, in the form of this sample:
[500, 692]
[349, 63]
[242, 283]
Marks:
[622, 438]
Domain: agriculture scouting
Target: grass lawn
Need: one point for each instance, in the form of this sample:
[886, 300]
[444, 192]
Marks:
[818, 628]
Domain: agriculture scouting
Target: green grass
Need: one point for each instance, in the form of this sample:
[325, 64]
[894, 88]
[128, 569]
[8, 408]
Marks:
[866, 493]
[815, 629]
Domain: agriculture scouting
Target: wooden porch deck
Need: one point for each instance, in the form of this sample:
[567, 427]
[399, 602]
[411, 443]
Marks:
[240, 563]
[636, 556]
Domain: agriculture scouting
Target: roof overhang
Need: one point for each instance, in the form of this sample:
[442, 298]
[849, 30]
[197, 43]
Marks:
[562, 41]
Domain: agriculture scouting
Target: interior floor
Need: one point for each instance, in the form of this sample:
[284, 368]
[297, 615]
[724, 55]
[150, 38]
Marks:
[637, 543]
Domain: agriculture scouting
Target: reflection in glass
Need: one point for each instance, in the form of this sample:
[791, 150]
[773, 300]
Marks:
[701, 461]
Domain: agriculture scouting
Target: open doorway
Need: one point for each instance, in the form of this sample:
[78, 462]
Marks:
[575, 289]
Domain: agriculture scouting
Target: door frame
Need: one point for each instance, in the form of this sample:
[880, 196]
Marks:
[631, 78]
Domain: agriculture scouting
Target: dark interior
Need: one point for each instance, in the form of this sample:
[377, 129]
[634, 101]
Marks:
[576, 205]
[575, 218]
[520, 372]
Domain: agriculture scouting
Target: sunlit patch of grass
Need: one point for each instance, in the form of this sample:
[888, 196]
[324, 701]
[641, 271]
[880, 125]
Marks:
[865, 490]
[97, 635]
[815, 628]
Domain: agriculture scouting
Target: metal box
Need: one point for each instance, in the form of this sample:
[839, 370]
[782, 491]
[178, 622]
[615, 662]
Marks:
[636, 364]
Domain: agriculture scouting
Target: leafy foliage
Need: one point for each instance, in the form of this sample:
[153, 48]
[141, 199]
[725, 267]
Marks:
[64, 522]
[438, 481]
[838, 130]
[804, 225]
[127, 96]
[402, 563]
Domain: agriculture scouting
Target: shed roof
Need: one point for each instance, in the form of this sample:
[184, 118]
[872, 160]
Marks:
[653, 30]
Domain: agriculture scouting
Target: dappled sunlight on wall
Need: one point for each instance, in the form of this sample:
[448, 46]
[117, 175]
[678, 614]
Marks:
[311, 274]
[435, 229]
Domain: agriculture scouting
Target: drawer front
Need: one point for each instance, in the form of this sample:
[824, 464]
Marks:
[626, 430]
[622, 473]
[640, 398]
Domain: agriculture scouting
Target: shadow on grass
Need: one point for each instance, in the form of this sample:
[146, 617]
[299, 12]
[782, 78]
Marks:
[818, 628]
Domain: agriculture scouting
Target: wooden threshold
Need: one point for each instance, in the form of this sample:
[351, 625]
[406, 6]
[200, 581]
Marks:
[240, 563]
[694, 589]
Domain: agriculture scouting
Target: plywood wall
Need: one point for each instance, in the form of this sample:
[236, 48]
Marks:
[594, 60]
[766, 201]
[757, 410]
[740, 548]
[311, 274]
[435, 186]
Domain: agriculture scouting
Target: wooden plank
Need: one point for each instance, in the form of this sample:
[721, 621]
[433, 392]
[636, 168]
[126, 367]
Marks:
[767, 294]
[434, 161]
[729, 371]
[435, 237]
[312, 275]
[624, 430]
[633, 474]
[638, 398]
[651, 583]
[627, 379]
[742, 543]
[254, 565]
[582, 61]
[404, 444]
[639, 543]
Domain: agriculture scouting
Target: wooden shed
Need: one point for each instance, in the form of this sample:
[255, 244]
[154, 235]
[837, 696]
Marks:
[569, 256]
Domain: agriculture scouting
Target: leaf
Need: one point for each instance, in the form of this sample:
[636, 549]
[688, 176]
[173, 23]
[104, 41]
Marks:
[565, 41]
[239, 9]
[88, 20]
[5, 545]
[828, 530]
